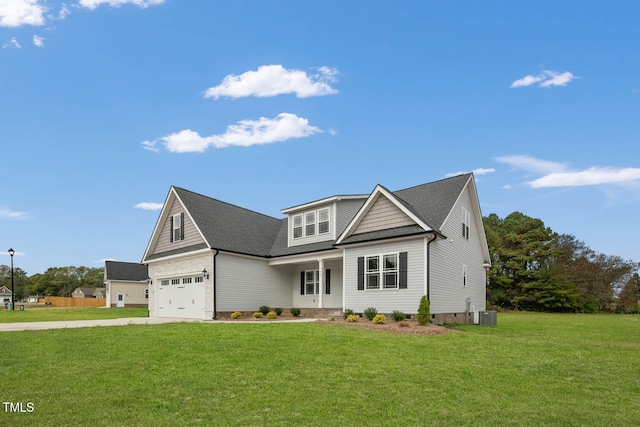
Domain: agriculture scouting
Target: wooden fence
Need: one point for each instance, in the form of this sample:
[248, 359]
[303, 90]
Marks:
[73, 302]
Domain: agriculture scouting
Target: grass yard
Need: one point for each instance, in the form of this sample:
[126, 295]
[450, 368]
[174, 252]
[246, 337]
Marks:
[533, 369]
[48, 314]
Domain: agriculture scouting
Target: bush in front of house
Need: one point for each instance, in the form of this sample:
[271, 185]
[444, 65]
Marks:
[295, 312]
[272, 315]
[379, 319]
[264, 309]
[278, 311]
[353, 318]
[257, 315]
[370, 313]
[424, 311]
[348, 312]
[398, 316]
[236, 315]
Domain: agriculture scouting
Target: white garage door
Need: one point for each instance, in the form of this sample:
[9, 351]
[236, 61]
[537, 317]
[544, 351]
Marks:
[182, 297]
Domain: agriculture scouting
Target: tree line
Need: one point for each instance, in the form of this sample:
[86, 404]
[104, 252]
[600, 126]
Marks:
[56, 281]
[534, 268]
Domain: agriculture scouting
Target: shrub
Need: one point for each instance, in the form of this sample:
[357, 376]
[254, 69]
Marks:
[424, 311]
[398, 316]
[353, 318]
[236, 315]
[264, 309]
[295, 312]
[379, 319]
[370, 313]
[348, 312]
[404, 324]
[278, 311]
[331, 319]
[257, 314]
[271, 315]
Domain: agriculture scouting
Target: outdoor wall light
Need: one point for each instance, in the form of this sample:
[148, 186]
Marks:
[205, 274]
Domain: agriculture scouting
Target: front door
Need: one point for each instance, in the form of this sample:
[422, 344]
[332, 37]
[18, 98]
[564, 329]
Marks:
[120, 301]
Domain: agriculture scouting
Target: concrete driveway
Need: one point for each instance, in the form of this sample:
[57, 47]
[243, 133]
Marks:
[62, 324]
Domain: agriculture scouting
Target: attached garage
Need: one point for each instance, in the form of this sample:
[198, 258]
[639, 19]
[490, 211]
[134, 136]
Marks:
[181, 297]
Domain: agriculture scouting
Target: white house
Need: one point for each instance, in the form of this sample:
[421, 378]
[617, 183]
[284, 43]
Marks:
[384, 250]
[126, 284]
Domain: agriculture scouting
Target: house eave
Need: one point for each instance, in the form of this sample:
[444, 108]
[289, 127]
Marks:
[322, 202]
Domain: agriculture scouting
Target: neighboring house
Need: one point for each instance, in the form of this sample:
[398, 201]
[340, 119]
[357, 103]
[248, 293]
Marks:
[385, 250]
[82, 292]
[126, 284]
[5, 295]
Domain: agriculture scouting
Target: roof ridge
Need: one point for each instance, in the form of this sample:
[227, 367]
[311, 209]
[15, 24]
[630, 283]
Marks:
[227, 203]
[434, 182]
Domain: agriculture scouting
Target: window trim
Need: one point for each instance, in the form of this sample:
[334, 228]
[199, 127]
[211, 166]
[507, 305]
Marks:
[465, 277]
[299, 227]
[315, 283]
[381, 272]
[466, 223]
[301, 223]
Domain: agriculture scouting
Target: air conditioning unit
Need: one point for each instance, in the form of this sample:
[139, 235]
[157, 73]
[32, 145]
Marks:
[488, 318]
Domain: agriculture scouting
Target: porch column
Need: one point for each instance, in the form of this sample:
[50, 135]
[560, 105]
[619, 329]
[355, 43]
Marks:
[320, 281]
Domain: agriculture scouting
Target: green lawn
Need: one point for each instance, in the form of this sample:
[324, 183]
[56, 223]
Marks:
[530, 370]
[47, 314]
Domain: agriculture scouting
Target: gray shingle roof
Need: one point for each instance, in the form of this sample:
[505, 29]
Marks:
[229, 227]
[131, 271]
[235, 229]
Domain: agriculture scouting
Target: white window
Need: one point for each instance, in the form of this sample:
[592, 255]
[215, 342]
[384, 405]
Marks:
[466, 223]
[311, 283]
[381, 275]
[390, 271]
[177, 228]
[186, 280]
[310, 223]
[297, 226]
[323, 221]
[464, 275]
[373, 272]
[146, 293]
[199, 279]
[175, 281]
[164, 283]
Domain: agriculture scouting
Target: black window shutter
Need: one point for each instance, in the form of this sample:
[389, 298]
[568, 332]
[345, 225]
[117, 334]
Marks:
[302, 283]
[361, 273]
[327, 281]
[171, 229]
[402, 276]
[182, 226]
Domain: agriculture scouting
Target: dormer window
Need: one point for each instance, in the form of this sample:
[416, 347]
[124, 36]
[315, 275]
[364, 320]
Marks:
[310, 223]
[297, 226]
[466, 223]
[323, 221]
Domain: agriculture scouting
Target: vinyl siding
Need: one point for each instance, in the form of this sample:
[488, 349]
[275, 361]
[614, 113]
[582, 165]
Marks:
[333, 300]
[383, 215]
[447, 294]
[191, 234]
[245, 283]
[386, 300]
[317, 237]
[134, 292]
[346, 210]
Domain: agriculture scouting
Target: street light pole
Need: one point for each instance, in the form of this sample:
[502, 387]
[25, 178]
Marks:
[13, 295]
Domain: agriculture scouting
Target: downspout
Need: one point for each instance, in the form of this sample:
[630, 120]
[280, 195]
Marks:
[431, 239]
[215, 297]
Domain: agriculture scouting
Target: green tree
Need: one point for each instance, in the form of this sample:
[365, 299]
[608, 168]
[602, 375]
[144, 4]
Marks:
[630, 294]
[20, 280]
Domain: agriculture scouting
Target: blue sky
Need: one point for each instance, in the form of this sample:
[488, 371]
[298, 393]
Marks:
[104, 104]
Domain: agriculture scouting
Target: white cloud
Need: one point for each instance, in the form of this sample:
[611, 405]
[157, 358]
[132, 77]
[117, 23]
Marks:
[273, 80]
[38, 41]
[478, 171]
[12, 43]
[546, 78]
[16, 13]
[149, 206]
[591, 176]
[532, 164]
[92, 4]
[7, 213]
[246, 133]
[64, 11]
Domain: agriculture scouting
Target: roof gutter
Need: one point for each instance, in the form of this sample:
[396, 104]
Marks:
[433, 237]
